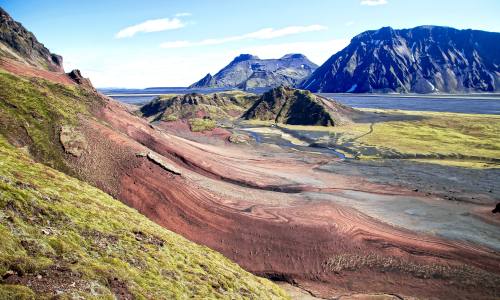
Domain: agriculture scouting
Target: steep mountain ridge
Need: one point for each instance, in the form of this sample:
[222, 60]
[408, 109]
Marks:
[423, 59]
[18, 43]
[248, 71]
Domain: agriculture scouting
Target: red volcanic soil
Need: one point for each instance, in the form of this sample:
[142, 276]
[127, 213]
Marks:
[251, 206]
[29, 71]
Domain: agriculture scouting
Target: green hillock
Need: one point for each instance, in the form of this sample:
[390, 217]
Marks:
[217, 106]
[61, 236]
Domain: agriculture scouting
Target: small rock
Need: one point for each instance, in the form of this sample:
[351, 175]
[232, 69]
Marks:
[8, 274]
[39, 277]
[496, 209]
[141, 154]
[239, 138]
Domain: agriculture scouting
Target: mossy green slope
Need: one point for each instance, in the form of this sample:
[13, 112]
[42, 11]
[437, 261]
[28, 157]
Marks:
[59, 235]
[33, 110]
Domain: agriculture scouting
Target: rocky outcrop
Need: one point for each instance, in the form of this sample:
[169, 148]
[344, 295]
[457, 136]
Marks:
[160, 162]
[19, 44]
[298, 107]
[73, 141]
[248, 71]
[424, 59]
[77, 77]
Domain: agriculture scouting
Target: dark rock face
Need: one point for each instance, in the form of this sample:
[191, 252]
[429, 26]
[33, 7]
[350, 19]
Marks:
[77, 77]
[424, 59]
[298, 107]
[18, 43]
[248, 71]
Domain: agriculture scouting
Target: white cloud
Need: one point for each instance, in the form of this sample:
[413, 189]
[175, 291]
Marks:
[348, 24]
[263, 34]
[270, 33]
[150, 26]
[373, 2]
[183, 14]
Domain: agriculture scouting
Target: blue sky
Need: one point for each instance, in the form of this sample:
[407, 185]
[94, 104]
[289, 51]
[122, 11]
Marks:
[174, 43]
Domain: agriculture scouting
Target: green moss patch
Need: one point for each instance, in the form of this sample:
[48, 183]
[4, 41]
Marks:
[32, 112]
[198, 124]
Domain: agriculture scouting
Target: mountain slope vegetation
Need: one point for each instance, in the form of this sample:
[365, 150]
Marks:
[60, 236]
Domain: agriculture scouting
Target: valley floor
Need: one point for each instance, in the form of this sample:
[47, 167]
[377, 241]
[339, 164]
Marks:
[409, 199]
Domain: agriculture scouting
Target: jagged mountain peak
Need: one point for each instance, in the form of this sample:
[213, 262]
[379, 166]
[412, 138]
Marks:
[244, 57]
[382, 33]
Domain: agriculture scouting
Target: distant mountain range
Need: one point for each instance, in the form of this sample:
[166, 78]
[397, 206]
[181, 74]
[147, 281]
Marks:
[424, 59]
[247, 71]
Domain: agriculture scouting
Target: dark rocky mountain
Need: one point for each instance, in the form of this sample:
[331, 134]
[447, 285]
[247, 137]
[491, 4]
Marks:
[247, 71]
[424, 59]
[287, 105]
[20, 44]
